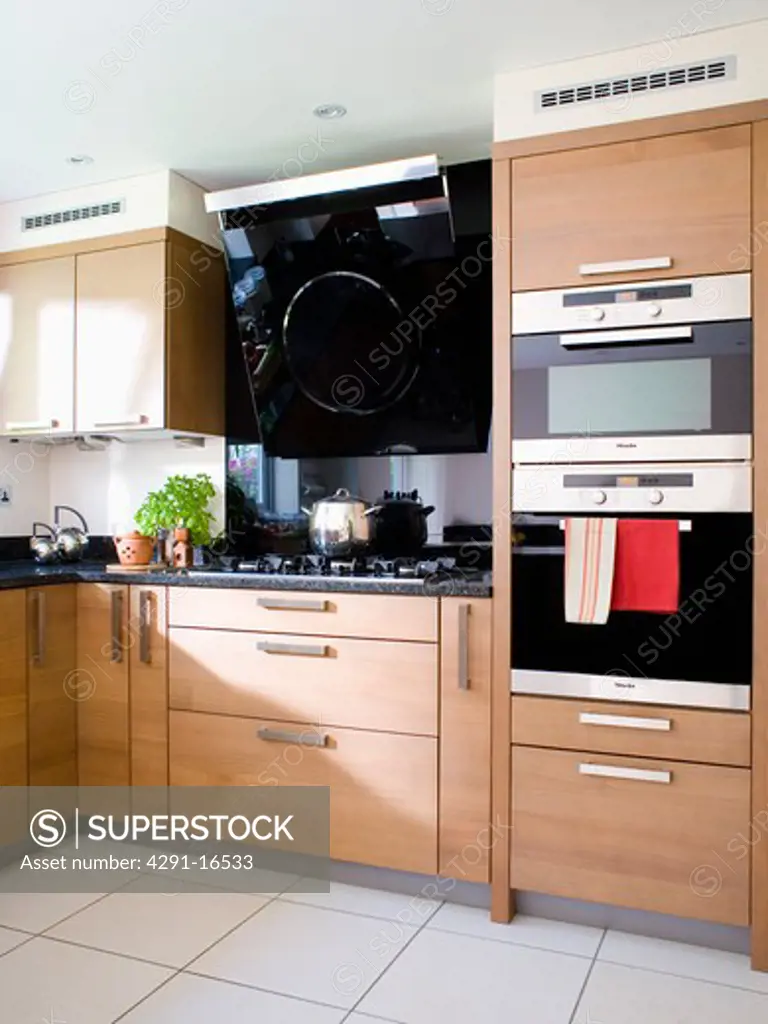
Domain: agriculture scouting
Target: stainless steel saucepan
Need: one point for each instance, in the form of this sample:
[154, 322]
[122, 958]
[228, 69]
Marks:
[341, 526]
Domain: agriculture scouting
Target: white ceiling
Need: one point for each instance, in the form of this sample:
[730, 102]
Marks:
[223, 90]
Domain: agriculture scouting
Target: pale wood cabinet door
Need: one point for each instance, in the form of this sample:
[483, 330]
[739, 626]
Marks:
[53, 685]
[37, 347]
[148, 662]
[122, 296]
[101, 685]
[682, 202]
[466, 836]
[13, 689]
[664, 836]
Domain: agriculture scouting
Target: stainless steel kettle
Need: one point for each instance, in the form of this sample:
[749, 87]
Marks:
[340, 526]
[71, 541]
[43, 548]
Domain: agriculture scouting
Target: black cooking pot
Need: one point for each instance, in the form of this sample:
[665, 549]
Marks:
[401, 523]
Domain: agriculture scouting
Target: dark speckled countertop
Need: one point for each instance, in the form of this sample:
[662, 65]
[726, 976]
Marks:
[26, 573]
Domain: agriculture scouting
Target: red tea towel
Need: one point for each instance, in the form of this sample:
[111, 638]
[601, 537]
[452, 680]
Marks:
[646, 575]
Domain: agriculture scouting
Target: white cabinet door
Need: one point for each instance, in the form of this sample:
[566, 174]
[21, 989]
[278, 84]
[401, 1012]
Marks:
[121, 296]
[37, 347]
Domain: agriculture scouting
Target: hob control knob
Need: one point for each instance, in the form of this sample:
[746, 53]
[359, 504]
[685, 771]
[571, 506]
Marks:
[656, 497]
[654, 310]
[598, 313]
[599, 497]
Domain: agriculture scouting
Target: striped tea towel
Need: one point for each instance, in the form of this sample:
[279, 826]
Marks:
[590, 555]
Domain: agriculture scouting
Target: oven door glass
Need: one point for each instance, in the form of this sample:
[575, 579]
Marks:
[655, 382]
[709, 640]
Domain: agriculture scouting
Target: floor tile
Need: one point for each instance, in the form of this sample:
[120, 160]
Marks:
[36, 911]
[10, 939]
[49, 981]
[365, 1018]
[524, 931]
[166, 929]
[307, 952]
[627, 995]
[443, 978]
[196, 1000]
[684, 960]
[389, 906]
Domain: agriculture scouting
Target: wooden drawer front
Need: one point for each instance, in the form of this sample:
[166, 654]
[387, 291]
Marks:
[366, 684]
[667, 846]
[677, 734]
[373, 616]
[686, 197]
[383, 787]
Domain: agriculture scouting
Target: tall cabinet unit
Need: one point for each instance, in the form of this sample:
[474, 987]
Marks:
[672, 197]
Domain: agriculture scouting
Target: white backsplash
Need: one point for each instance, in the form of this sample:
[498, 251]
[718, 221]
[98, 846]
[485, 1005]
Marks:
[106, 486]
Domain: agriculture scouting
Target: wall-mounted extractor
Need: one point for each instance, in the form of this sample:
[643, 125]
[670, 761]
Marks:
[363, 304]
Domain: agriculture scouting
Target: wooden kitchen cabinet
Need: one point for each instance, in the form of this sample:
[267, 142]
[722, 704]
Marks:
[102, 685]
[53, 685]
[685, 198]
[663, 836]
[383, 786]
[148, 682]
[150, 338]
[367, 684]
[37, 342]
[466, 837]
[13, 688]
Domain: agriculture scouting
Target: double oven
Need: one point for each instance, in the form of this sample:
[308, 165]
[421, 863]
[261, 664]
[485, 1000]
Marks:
[635, 402]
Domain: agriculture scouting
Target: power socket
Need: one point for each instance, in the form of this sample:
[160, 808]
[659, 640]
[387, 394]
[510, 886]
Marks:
[5, 495]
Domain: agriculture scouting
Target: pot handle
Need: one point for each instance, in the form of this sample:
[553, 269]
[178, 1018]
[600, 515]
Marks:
[50, 529]
[373, 510]
[428, 510]
[68, 508]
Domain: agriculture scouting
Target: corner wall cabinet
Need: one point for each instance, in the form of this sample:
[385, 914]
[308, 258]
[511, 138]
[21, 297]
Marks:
[113, 335]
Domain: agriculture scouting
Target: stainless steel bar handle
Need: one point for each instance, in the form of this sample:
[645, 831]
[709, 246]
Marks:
[609, 771]
[627, 335]
[116, 598]
[293, 604]
[305, 650]
[683, 526]
[38, 651]
[139, 420]
[464, 647]
[145, 625]
[626, 266]
[304, 739]
[625, 722]
[31, 424]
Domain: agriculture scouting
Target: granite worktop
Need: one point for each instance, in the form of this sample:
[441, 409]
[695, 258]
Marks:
[26, 573]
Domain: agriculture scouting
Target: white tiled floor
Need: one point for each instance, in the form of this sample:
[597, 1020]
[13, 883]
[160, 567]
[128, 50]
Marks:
[355, 955]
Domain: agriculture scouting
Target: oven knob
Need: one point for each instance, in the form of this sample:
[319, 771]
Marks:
[656, 497]
[599, 497]
[654, 310]
[597, 313]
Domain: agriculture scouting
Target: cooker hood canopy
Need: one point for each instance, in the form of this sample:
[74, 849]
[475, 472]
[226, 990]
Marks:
[328, 273]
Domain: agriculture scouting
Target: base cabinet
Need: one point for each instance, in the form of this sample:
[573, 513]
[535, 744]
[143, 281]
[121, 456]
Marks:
[101, 686]
[654, 835]
[53, 685]
[13, 689]
[148, 684]
[383, 786]
[466, 836]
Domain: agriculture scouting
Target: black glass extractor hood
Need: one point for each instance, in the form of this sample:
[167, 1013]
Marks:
[362, 301]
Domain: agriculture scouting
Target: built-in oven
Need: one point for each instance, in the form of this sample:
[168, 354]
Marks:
[700, 655]
[659, 371]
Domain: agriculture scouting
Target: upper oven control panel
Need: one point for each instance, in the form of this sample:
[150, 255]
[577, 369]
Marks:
[690, 301]
[593, 490]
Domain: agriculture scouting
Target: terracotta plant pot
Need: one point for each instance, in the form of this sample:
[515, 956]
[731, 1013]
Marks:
[134, 549]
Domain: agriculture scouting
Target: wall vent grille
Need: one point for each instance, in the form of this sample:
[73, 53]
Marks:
[74, 214]
[663, 79]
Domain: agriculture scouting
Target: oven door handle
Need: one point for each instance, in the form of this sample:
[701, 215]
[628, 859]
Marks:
[628, 336]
